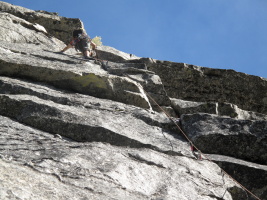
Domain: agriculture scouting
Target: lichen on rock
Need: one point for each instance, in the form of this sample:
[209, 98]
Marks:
[76, 129]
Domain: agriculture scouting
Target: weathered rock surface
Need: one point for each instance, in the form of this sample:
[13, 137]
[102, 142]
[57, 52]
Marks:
[40, 162]
[245, 139]
[69, 73]
[14, 29]
[59, 27]
[252, 175]
[201, 84]
[75, 129]
[114, 55]
[221, 109]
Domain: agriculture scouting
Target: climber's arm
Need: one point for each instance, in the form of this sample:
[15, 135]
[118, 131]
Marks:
[93, 45]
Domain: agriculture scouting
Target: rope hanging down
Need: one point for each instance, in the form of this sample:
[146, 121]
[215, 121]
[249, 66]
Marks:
[200, 154]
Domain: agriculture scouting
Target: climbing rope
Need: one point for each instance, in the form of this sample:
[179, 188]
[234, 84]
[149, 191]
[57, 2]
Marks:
[193, 147]
[200, 154]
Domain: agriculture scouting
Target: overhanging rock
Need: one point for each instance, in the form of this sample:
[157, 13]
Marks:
[59, 27]
[244, 139]
[202, 84]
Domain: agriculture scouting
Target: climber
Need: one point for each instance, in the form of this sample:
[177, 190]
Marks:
[80, 40]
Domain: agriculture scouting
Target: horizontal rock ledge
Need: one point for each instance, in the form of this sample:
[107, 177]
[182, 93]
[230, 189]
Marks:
[90, 125]
[104, 86]
[221, 109]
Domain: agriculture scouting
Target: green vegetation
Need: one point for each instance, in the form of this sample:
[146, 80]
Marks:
[91, 79]
[97, 40]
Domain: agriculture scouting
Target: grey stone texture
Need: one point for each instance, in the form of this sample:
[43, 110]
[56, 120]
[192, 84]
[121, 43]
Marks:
[76, 129]
[57, 26]
[202, 84]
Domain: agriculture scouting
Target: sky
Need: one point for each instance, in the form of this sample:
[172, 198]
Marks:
[225, 34]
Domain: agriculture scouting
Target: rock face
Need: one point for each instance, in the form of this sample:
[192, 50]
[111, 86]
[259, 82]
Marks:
[59, 27]
[201, 84]
[75, 129]
[245, 139]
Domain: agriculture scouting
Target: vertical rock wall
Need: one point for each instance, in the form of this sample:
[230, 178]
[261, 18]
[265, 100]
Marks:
[87, 129]
[59, 27]
[200, 84]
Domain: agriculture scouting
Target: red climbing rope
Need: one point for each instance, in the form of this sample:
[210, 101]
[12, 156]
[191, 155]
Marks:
[200, 154]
